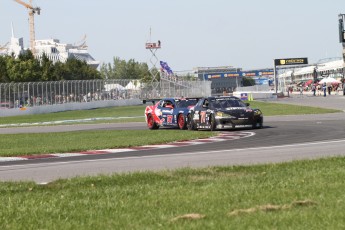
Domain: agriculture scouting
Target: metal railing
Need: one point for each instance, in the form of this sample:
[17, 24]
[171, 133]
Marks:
[27, 94]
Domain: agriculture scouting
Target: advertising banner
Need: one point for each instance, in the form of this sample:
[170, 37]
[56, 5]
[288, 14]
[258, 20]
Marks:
[291, 61]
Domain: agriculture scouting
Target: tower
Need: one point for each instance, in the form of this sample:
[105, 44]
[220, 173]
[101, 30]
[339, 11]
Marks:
[153, 47]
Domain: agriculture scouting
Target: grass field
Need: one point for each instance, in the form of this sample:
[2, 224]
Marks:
[42, 143]
[125, 112]
[298, 195]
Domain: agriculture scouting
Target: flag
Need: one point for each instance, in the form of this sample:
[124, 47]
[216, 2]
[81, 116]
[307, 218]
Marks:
[165, 67]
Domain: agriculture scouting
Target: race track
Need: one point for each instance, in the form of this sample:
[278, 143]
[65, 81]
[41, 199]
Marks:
[283, 138]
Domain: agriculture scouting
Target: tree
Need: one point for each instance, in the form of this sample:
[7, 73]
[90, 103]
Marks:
[3, 69]
[248, 81]
[25, 56]
[47, 68]
[23, 70]
[121, 69]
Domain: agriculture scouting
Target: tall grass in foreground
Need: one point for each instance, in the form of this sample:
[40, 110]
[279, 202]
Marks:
[298, 195]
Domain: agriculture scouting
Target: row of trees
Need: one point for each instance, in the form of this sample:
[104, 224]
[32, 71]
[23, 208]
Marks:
[26, 68]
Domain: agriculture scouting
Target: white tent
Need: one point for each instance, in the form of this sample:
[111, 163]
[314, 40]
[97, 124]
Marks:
[133, 85]
[329, 80]
[109, 87]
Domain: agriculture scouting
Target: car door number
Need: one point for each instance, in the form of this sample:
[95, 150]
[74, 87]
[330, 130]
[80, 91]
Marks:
[169, 119]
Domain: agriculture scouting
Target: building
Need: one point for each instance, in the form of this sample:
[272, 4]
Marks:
[53, 49]
[228, 78]
[298, 76]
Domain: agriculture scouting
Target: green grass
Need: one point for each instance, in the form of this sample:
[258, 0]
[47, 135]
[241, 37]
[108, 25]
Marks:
[113, 112]
[276, 109]
[41, 143]
[298, 195]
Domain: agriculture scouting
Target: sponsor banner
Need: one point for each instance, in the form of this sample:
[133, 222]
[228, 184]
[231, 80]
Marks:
[254, 73]
[261, 81]
[291, 61]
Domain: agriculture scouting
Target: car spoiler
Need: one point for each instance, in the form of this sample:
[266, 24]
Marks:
[158, 99]
[151, 100]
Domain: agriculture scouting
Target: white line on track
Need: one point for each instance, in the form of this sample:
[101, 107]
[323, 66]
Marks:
[191, 153]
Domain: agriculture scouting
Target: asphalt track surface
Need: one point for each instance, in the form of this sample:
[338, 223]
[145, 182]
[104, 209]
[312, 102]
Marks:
[283, 138]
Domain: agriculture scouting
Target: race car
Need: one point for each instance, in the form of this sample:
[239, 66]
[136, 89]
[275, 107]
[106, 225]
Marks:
[224, 112]
[169, 112]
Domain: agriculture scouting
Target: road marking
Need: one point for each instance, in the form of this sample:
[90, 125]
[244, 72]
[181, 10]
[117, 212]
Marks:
[190, 153]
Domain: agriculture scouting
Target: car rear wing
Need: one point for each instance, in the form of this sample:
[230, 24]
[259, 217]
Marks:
[153, 101]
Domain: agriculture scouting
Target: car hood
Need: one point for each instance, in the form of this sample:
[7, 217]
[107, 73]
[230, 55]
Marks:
[237, 111]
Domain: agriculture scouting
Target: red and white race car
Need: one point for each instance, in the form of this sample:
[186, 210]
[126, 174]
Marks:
[169, 112]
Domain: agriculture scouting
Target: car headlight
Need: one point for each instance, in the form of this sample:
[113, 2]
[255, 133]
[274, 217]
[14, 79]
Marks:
[257, 112]
[221, 114]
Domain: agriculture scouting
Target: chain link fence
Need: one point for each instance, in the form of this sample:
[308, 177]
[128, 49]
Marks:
[28, 94]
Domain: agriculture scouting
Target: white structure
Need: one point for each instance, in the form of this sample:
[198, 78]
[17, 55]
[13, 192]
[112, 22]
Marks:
[332, 67]
[57, 51]
[53, 49]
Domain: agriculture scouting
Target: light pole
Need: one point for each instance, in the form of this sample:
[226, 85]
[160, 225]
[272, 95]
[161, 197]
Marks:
[341, 18]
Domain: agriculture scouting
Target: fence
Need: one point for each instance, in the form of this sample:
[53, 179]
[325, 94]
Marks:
[28, 94]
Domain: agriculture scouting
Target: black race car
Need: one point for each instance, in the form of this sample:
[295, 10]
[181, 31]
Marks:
[225, 112]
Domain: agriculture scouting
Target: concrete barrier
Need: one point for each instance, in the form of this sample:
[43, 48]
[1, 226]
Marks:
[257, 95]
[68, 107]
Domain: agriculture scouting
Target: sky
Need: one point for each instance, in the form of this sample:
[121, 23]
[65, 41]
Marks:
[247, 34]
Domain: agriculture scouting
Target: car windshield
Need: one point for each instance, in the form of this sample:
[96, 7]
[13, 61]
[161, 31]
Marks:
[226, 103]
[186, 103]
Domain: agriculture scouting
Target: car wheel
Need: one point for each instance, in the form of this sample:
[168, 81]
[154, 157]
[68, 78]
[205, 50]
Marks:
[213, 123]
[190, 123]
[151, 123]
[258, 124]
[181, 121]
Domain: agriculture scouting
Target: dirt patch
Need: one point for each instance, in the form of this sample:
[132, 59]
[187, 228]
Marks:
[190, 216]
[272, 208]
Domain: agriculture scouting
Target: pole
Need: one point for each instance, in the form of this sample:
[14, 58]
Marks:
[275, 77]
[343, 53]
[341, 18]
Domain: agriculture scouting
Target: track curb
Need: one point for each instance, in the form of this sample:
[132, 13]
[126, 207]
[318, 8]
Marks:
[223, 136]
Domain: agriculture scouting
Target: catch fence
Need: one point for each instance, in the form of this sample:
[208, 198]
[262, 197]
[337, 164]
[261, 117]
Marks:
[27, 94]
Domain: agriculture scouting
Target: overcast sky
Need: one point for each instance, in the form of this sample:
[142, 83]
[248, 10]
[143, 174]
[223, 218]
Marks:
[194, 33]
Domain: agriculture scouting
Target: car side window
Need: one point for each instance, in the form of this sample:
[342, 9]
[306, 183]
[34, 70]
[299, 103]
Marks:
[167, 104]
[199, 103]
[205, 104]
